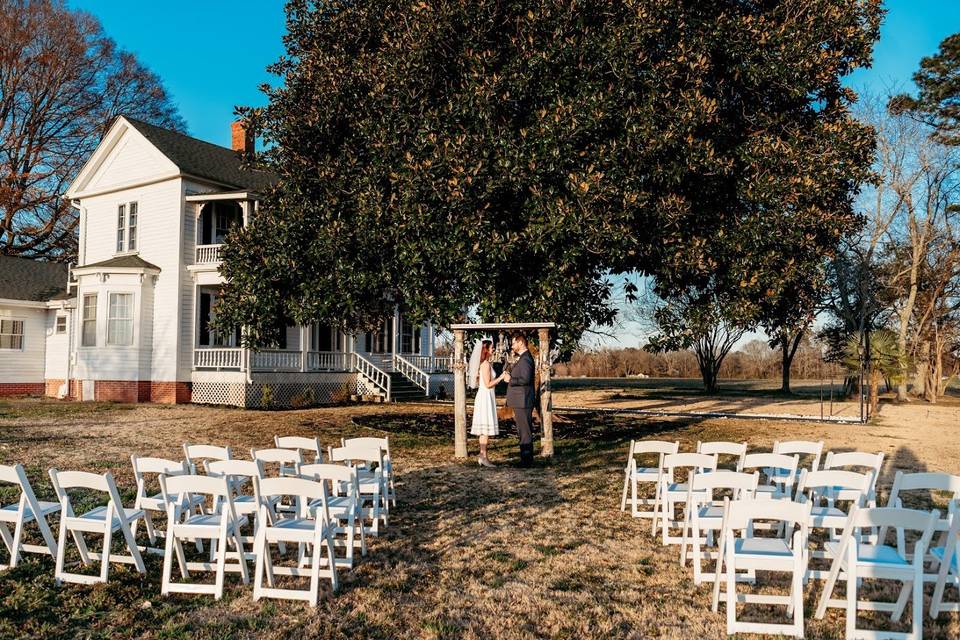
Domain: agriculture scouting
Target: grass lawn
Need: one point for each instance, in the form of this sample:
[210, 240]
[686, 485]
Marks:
[469, 553]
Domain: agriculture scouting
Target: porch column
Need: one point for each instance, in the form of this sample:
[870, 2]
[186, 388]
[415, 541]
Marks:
[194, 342]
[245, 208]
[546, 400]
[395, 338]
[304, 347]
[460, 396]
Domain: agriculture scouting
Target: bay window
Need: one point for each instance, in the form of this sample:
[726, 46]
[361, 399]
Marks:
[120, 320]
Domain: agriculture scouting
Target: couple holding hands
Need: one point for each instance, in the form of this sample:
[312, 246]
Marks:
[521, 396]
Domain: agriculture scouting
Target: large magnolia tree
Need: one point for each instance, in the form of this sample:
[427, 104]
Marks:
[509, 157]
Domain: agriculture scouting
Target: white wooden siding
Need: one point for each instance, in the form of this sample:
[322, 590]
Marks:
[57, 346]
[26, 364]
[132, 160]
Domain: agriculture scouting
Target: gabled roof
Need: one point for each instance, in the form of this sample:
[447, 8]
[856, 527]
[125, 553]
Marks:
[131, 261]
[203, 159]
[25, 279]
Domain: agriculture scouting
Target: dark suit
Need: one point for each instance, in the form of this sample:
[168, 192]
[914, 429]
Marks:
[522, 398]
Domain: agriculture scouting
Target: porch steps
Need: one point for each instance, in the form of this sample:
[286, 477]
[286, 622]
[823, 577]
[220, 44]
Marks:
[402, 389]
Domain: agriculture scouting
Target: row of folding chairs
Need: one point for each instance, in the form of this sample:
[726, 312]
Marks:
[758, 512]
[292, 497]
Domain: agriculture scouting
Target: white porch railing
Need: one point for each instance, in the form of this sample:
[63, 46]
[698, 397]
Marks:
[229, 358]
[275, 360]
[373, 374]
[329, 361]
[431, 364]
[412, 373]
[208, 253]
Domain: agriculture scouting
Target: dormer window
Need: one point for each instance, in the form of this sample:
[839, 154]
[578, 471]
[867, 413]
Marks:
[127, 227]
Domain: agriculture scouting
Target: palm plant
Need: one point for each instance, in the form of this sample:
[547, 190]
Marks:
[887, 362]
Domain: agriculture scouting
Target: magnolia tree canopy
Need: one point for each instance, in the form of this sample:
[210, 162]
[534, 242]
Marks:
[516, 155]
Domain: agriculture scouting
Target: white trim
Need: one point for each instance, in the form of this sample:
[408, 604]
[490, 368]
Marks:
[490, 326]
[222, 195]
[25, 304]
[86, 271]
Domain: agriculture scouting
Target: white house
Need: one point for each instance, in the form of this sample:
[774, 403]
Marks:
[155, 207]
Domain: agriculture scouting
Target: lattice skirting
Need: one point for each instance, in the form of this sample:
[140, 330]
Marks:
[278, 390]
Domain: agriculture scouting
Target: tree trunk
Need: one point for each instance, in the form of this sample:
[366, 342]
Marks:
[708, 372]
[874, 392]
[786, 361]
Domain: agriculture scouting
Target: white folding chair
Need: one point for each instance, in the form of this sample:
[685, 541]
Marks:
[778, 472]
[240, 474]
[634, 474]
[704, 512]
[928, 483]
[27, 509]
[343, 505]
[856, 560]
[105, 520]
[671, 491]
[307, 527]
[373, 487]
[813, 488]
[949, 565]
[384, 444]
[220, 528]
[783, 553]
[736, 450]
[143, 468]
[813, 449]
[196, 454]
[853, 461]
[302, 445]
[286, 460]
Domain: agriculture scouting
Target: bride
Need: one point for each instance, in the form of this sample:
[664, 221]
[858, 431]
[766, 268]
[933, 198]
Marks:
[485, 406]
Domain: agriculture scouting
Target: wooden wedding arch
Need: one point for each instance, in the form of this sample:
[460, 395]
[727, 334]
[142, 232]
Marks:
[545, 410]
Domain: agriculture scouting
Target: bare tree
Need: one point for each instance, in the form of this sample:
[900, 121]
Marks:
[62, 81]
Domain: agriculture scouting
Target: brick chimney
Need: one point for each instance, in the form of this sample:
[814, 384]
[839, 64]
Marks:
[240, 139]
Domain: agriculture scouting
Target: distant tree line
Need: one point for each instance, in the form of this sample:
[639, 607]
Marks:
[755, 360]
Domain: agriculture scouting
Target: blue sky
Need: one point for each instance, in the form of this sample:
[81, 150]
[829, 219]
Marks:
[212, 55]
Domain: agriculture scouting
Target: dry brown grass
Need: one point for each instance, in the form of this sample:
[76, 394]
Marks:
[470, 552]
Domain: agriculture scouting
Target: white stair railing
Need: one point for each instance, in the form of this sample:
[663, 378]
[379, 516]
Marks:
[372, 374]
[412, 373]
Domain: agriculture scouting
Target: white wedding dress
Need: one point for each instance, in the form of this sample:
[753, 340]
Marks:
[485, 406]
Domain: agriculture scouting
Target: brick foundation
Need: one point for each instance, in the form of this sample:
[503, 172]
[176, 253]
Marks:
[22, 388]
[169, 392]
[130, 391]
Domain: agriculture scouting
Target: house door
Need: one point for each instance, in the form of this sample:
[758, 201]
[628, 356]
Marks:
[207, 336]
[380, 341]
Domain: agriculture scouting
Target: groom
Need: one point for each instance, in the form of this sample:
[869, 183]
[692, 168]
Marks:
[521, 397]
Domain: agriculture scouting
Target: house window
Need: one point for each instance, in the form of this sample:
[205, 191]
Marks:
[409, 337]
[127, 227]
[61, 324]
[321, 337]
[121, 228]
[89, 335]
[132, 227]
[120, 320]
[11, 334]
